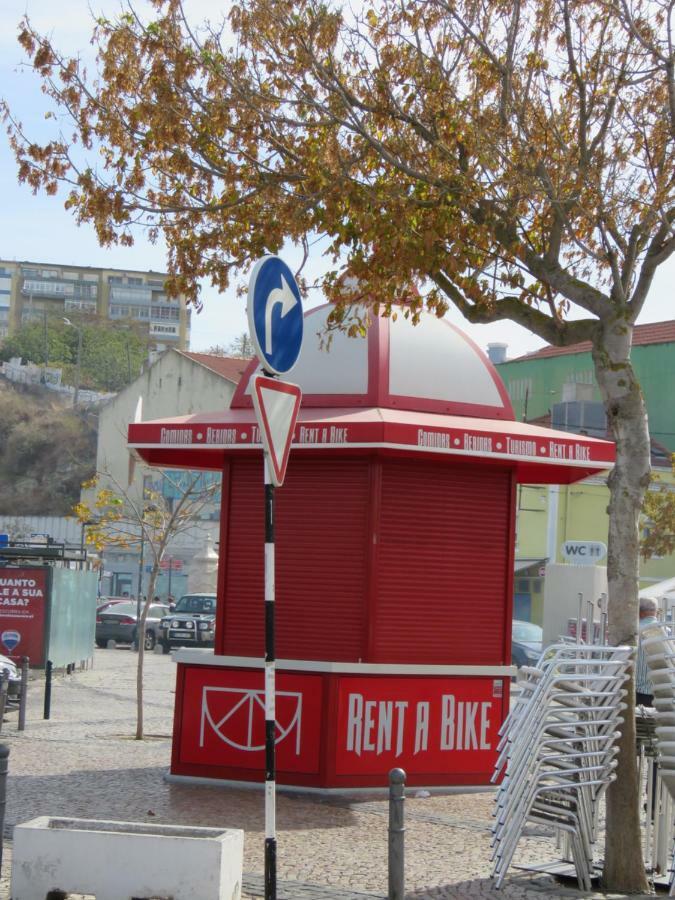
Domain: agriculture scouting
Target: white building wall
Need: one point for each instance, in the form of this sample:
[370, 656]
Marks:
[61, 529]
[174, 385]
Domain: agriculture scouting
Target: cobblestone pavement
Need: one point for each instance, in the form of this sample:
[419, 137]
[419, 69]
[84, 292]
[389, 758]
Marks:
[83, 762]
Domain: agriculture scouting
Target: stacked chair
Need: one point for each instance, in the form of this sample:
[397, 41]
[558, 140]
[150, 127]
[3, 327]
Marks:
[556, 749]
[659, 650]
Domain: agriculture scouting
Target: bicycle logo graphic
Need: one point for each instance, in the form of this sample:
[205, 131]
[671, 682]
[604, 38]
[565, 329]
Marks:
[249, 707]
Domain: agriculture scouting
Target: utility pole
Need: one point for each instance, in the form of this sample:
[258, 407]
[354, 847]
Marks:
[46, 340]
[140, 583]
[78, 360]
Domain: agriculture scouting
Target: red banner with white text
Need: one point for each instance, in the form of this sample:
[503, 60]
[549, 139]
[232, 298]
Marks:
[423, 725]
[23, 611]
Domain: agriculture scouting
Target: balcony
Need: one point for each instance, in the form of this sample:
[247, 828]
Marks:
[134, 296]
[59, 289]
[164, 330]
[85, 306]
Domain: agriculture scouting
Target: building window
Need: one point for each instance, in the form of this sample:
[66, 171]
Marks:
[166, 312]
[139, 296]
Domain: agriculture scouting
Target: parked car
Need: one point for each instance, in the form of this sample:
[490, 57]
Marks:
[192, 623]
[526, 643]
[14, 683]
[107, 602]
[119, 623]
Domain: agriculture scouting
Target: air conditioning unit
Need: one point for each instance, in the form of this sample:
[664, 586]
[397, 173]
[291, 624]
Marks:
[580, 417]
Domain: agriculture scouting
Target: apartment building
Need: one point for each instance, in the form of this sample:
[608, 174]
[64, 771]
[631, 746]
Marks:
[32, 290]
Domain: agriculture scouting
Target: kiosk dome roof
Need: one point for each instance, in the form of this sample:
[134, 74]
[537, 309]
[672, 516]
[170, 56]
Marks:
[428, 367]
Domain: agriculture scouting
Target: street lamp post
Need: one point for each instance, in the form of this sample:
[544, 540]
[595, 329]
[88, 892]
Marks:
[84, 525]
[78, 360]
[150, 508]
[46, 350]
[140, 585]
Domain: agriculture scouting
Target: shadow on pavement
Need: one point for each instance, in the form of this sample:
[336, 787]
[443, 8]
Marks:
[142, 795]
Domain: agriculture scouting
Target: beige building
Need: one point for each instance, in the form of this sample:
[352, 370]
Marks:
[177, 383]
[30, 290]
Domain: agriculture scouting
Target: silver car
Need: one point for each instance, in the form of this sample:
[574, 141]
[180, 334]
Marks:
[119, 623]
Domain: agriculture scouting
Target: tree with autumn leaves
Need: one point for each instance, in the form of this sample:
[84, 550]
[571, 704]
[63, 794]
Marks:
[659, 519]
[511, 157]
[115, 517]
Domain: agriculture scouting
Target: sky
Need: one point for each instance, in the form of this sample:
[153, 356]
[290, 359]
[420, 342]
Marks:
[39, 229]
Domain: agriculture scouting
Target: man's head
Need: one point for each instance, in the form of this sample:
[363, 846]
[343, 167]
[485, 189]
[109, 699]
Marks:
[648, 607]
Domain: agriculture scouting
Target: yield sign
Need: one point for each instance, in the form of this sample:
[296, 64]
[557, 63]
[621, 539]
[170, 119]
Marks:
[276, 405]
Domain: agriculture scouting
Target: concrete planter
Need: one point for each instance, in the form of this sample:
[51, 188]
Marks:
[124, 860]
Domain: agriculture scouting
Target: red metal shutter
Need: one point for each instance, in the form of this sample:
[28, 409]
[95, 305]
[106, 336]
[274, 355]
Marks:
[443, 564]
[321, 559]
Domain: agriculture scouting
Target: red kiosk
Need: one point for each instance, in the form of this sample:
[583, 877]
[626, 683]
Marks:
[395, 541]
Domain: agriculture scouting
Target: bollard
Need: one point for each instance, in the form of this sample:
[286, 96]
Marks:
[4, 687]
[23, 696]
[4, 763]
[48, 690]
[396, 834]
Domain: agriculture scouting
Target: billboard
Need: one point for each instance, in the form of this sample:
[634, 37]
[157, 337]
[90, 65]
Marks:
[433, 727]
[23, 611]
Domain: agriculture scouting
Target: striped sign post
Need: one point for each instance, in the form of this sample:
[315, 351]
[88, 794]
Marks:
[270, 695]
[276, 324]
[276, 405]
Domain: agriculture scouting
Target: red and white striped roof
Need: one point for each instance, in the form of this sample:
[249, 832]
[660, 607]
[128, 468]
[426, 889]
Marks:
[409, 390]
[429, 367]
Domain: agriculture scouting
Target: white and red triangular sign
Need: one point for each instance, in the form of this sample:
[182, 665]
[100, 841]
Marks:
[276, 404]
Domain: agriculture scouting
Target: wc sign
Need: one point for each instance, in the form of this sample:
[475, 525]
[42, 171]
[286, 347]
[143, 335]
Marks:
[583, 553]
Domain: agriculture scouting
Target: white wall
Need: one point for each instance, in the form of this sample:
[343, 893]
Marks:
[20, 528]
[562, 587]
[173, 386]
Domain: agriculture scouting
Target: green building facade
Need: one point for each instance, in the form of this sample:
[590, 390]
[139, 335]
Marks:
[539, 380]
[551, 515]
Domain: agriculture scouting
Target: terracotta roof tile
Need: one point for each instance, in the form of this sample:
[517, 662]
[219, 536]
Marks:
[227, 367]
[650, 333]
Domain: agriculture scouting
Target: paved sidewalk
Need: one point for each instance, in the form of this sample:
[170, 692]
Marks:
[84, 762]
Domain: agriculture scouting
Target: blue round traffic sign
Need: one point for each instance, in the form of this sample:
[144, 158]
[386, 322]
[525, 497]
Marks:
[275, 315]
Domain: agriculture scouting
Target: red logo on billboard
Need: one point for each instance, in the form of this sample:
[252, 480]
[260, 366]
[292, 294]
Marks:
[224, 719]
[424, 725]
[23, 596]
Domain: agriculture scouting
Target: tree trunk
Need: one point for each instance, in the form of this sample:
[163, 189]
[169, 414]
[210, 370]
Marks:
[141, 650]
[624, 868]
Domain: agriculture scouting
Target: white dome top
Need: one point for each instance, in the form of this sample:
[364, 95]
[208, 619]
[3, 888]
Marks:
[431, 367]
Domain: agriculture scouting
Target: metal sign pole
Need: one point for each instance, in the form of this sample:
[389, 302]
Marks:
[275, 318]
[270, 713]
